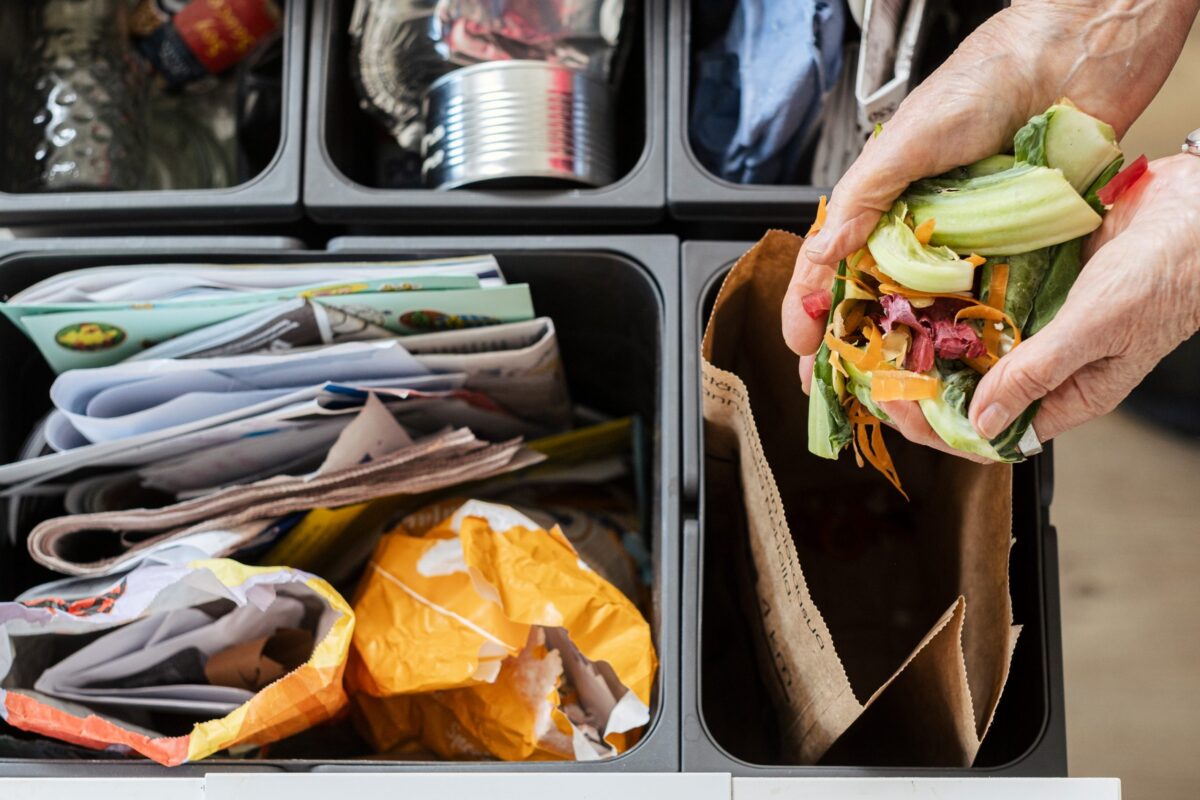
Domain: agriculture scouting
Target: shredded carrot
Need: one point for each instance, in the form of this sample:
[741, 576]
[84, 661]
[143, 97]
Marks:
[863, 262]
[989, 314]
[924, 231]
[873, 357]
[875, 272]
[868, 442]
[835, 362]
[975, 260]
[854, 319]
[898, 384]
[895, 288]
[820, 218]
[857, 282]
[848, 352]
[997, 289]
[981, 364]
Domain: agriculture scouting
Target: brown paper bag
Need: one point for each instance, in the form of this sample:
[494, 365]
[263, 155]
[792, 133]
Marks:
[884, 628]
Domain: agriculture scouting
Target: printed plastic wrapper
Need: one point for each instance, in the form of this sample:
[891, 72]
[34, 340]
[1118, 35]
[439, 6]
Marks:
[205, 37]
[489, 637]
[169, 644]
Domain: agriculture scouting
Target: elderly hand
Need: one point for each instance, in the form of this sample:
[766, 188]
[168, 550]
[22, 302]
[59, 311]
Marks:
[1137, 298]
[1110, 59]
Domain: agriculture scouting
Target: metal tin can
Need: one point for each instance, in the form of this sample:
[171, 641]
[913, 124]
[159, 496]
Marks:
[518, 124]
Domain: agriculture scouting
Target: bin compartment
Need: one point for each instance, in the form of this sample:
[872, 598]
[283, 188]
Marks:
[271, 195]
[695, 193]
[343, 180]
[613, 304]
[727, 712]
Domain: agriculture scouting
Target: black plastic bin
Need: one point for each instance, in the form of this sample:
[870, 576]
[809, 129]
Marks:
[614, 303]
[342, 140]
[695, 193]
[1028, 736]
[271, 196]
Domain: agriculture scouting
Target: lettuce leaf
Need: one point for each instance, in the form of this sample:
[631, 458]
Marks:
[828, 426]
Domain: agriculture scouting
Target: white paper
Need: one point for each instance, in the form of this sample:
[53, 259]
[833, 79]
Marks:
[242, 460]
[131, 650]
[891, 29]
[272, 329]
[427, 415]
[371, 435]
[133, 398]
[842, 136]
[259, 420]
[213, 335]
[518, 365]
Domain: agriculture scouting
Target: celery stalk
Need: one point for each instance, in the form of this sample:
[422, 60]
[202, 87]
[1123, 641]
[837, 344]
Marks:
[989, 166]
[1016, 211]
[1067, 139]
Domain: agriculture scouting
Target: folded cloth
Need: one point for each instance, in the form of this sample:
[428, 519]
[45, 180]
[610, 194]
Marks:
[759, 90]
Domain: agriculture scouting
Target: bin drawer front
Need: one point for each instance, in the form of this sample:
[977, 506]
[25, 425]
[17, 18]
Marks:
[926, 789]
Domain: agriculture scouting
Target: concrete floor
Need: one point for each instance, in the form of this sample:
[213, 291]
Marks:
[1127, 508]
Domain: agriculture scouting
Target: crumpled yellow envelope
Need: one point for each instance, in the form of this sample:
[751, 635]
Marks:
[488, 633]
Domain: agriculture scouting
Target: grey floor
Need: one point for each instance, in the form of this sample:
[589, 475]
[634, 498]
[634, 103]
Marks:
[1127, 507]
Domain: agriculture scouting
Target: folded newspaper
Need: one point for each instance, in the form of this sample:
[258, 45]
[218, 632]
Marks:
[102, 316]
[501, 381]
[373, 457]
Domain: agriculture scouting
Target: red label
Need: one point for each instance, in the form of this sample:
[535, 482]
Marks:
[83, 607]
[221, 32]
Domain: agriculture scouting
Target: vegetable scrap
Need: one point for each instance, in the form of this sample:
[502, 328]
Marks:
[959, 271]
[1127, 177]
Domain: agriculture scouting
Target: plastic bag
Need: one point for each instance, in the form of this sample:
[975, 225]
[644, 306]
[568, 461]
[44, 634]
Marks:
[138, 615]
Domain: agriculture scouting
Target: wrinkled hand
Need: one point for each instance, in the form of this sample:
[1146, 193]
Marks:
[1136, 299]
[1012, 67]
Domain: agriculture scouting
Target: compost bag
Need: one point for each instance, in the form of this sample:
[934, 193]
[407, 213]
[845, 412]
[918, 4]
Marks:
[883, 628]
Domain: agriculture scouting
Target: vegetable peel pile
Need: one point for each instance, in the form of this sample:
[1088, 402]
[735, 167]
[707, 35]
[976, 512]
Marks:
[959, 271]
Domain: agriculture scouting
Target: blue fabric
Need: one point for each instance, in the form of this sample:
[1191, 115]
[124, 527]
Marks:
[758, 91]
